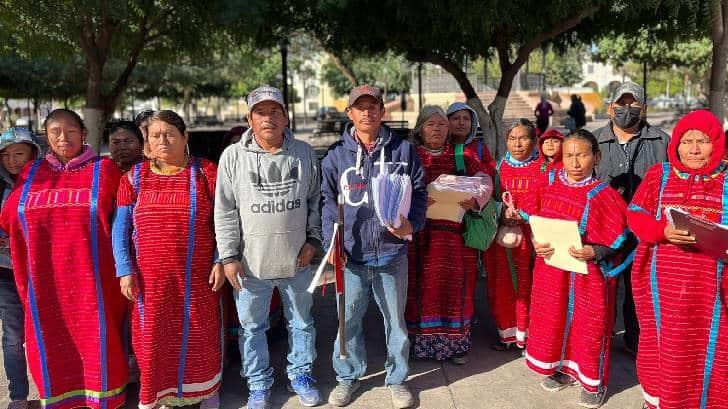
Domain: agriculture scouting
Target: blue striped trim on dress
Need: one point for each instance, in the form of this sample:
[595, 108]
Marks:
[31, 290]
[136, 186]
[188, 278]
[654, 289]
[589, 196]
[603, 349]
[635, 208]
[97, 276]
[439, 322]
[717, 309]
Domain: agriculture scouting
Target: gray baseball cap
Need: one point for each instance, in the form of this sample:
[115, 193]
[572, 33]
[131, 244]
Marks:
[629, 87]
[265, 93]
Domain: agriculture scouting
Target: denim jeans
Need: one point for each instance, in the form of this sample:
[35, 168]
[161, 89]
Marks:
[11, 314]
[253, 303]
[389, 285]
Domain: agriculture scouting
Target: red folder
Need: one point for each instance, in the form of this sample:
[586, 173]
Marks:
[711, 238]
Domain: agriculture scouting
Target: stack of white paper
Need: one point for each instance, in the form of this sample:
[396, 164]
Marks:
[392, 195]
[479, 187]
[447, 191]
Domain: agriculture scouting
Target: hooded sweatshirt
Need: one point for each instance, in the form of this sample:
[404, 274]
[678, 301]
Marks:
[267, 205]
[483, 153]
[348, 169]
[11, 137]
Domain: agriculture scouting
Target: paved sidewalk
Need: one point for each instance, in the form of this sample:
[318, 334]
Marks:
[492, 380]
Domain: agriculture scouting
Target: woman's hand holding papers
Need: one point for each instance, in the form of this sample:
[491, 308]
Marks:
[676, 236]
[469, 204]
[543, 249]
[586, 253]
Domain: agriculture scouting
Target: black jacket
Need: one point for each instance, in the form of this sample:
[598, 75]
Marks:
[624, 171]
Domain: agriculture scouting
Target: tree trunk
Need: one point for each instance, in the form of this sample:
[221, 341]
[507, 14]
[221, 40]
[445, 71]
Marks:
[186, 102]
[8, 117]
[346, 71]
[719, 36]
[93, 112]
[486, 120]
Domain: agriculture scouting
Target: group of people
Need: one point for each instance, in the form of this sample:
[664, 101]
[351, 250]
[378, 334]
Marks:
[148, 241]
[575, 116]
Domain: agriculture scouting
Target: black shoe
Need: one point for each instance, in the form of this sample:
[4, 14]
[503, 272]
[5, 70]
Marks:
[591, 400]
[460, 358]
[500, 346]
[557, 382]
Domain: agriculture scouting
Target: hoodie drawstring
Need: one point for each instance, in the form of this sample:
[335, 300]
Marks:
[358, 160]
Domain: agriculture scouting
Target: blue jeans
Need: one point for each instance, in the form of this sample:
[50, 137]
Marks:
[389, 285]
[11, 314]
[253, 303]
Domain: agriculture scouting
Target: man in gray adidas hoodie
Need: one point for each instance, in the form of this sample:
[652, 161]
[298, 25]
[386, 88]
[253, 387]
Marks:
[268, 226]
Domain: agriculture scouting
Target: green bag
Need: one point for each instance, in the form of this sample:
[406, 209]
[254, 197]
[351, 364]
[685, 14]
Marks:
[481, 228]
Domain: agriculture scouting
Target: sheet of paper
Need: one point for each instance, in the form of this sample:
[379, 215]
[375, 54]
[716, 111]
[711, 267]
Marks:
[447, 204]
[561, 234]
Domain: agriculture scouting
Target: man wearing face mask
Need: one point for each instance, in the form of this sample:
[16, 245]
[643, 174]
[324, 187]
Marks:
[629, 147]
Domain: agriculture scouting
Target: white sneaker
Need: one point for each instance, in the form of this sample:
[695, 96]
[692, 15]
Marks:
[401, 396]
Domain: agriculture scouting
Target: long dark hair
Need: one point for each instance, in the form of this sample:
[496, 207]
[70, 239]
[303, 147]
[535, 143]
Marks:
[63, 111]
[584, 135]
[128, 126]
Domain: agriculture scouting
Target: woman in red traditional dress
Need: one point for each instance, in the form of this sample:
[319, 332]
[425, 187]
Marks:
[164, 247]
[680, 292]
[572, 314]
[549, 144]
[442, 270]
[59, 221]
[509, 269]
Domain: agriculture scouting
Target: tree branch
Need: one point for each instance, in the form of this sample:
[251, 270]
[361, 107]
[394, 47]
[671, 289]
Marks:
[564, 25]
[123, 80]
[346, 71]
[502, 48]
[454, 69]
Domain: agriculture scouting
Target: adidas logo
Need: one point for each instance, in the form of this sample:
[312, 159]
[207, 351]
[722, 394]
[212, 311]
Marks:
[274, 184]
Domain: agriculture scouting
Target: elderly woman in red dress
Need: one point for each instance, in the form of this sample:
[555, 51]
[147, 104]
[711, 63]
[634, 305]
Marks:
[164, 246]
[442, 272]
[59, 221]
[680, 292]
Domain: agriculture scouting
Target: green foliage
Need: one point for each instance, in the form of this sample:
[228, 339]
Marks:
[564, 70]
[388, 71]
[694, 53]
[59, 29]
[40, 78]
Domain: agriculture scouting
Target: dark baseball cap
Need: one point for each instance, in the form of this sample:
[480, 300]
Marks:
[629, 87]
[363, 90]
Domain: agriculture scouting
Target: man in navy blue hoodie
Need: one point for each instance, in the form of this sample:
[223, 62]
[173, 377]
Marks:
[376, 255]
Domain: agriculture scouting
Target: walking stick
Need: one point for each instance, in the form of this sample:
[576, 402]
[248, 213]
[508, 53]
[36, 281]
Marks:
[339, 256]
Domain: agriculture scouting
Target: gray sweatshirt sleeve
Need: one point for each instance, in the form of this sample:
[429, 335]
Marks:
[313, 225]
[227, 218]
